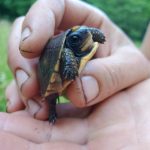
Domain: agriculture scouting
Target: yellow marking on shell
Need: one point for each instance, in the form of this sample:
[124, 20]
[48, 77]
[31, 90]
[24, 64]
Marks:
[53, 78]
[55, 83]
[46, 94]
[85, 59]
[57, 66]
[75, 28]
[53, 88]
[54, 75]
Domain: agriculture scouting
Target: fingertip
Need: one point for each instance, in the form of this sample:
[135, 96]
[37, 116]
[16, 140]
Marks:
[27, 81]
[24, 50]
[27, 54]
[32, 107]
[30, 87]
[43, 112]
[83, 91]
[33, 39]
[14, 102]
[18, 21]
[38, 27]
[75, 93]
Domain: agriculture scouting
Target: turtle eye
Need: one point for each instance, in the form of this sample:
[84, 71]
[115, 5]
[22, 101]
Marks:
[74, 39]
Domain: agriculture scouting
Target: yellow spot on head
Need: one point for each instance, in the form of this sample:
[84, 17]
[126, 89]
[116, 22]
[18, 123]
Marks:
[88, 43]
[86, 58]
[75, 28]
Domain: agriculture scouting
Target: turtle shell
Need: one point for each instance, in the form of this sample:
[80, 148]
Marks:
[63, 59]
[48, 67]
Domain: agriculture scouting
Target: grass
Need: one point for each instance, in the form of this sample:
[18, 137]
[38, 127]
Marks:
[5, 74]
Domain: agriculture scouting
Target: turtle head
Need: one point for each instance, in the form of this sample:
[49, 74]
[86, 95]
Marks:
[80, 39]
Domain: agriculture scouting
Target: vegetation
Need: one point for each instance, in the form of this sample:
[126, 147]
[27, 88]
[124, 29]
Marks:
[132, 16]
[11, 9]
[5, 75]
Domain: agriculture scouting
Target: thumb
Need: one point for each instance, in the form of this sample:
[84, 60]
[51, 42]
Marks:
[103, 77]
[145, 47]
[39, 25]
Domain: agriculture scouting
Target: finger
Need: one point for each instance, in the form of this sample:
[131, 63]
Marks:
[23, 69]
[70, 111]
[40, 110]
[14, 102]
[8, 140]
[62, 146]
[103, 77]
[39, 131]
[46, 16]
[145, 47]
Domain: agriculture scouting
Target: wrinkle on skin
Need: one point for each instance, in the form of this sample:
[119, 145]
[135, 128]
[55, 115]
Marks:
[120, 121]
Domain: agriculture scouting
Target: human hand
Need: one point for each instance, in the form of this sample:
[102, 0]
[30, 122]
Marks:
[145, 46]
[115, 67]
[120, 122]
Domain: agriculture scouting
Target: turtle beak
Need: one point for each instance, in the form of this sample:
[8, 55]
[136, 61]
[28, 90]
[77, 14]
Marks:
[97, 35]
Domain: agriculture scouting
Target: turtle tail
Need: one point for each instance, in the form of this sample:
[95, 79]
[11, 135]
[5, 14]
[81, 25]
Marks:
[97, 35]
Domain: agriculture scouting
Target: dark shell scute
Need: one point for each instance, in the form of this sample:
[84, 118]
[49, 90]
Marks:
[48, 60]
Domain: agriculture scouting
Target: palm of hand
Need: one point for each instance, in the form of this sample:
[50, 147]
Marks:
[120, 122]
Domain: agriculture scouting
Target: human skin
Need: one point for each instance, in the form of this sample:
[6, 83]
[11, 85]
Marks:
[103, 76]
[146, 42]
[120, 121]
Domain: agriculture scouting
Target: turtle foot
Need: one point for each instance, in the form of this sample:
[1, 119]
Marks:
[70, 73]
[52, 108]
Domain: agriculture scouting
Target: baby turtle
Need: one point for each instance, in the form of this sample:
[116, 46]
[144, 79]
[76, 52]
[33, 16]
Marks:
[62, 60]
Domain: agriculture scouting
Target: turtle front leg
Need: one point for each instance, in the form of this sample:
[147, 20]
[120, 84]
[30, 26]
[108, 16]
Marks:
[52, 99]
[68, 65]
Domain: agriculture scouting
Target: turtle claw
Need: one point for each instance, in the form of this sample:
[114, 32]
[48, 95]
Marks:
[52, 108]
[52, 118]
[70, 73]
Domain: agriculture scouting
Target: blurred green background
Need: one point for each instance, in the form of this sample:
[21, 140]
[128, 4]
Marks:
[131, 15]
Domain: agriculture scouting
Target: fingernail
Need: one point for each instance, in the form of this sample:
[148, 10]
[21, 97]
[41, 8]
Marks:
[21, 77]
[90, 87]
[25, 34]
[8, 104]
[33, 107]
